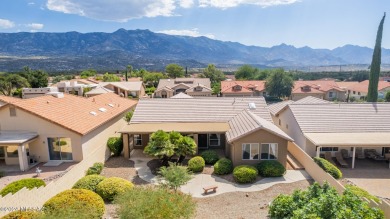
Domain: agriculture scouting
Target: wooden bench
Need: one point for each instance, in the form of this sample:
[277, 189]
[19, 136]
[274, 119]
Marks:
[208, 188]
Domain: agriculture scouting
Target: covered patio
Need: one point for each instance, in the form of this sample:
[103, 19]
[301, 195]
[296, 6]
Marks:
[362, 141]
[15, 149]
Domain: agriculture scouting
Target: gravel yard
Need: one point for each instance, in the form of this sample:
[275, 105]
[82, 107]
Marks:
[123, 168]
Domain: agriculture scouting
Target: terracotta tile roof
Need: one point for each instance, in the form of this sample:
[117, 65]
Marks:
[363, 86]
[7, 99]
[316, 86]
[346, 84]
[74, 113]
[227, 86]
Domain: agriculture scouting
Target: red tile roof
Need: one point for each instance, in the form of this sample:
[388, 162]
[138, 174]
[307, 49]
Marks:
[227, 86]
[363, 86]
[316, 86]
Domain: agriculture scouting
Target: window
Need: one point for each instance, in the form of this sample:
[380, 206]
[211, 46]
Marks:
[329, 149]
[358, 93]
[12, 151]
[286, 126]
[12, 111]
[269, 151]
[138, 140]
[354, 92]
[164, 94]
[330, 94]
[60, 148]
[264, 94]
[250, 151]
[214, 139]
[280, 122]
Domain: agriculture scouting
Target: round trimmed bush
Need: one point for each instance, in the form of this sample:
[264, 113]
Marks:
[81, 203]
[328, 167]
[245, 174]
[111, 187]
[210, 156]
[270, 168]
[23, 214]
[223, 166]
[89, 182]
[115, 144]
[196, 164]
[20, 184]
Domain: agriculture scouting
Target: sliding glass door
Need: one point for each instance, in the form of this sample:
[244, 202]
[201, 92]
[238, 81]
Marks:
[60, 148]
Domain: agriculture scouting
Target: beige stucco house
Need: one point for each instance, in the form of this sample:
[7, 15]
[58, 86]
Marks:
[242, 127]
[326, 89]
[196, 87]
[58, 128]
[243, 88]
[359, 90]
[135, 89]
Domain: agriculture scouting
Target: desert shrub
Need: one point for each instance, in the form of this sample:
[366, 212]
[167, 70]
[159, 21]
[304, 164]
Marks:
[88, 182]
[115, 145]
[111, 187]
[245, 174]
[223, 166]
[210, 156]
[322, 202]
[75, 203]
[23, 215]
[174, 176]
[196, 164]
[328, 167]
[362, 193]
[95, 169]
[270, 168]
[156, 203]
[20, 184]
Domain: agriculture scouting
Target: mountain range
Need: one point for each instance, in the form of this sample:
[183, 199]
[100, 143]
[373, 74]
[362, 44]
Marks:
[143, 48]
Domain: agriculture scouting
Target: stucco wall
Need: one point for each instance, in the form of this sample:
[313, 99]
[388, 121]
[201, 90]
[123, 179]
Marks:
[290, 126]
[258, 137]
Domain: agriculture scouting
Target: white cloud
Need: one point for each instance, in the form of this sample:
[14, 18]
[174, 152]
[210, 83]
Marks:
[35, 26]
[31, 3]
[193, 32]
[6, 24]
[186, 3]
[234, 3]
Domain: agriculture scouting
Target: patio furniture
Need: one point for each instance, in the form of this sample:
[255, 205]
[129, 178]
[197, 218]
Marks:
[208, 188]
[359, 153]
[328, 157]
[371, 153]
[345, 153]
[340, 159]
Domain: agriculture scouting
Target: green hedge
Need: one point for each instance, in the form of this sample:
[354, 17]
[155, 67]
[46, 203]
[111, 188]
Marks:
[95, 169]
[88, 182]
[328, 167]
[362, 193]
[223, 166]
[270, 168]
[210, 156]
[20, 184]
[245, 174]
[113, 186]
[75, 203]
[196, 164]
[115, 144]
[23, 215]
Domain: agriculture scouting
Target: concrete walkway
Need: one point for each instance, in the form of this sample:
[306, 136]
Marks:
[196, 184]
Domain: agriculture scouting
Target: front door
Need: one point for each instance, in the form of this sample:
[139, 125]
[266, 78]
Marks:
[202, 141]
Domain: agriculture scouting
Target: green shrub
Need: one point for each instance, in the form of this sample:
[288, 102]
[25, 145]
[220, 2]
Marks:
[20, 184]
[79, 203]
[245, 174]
[88, 182]
[95, 169]
[196, 164]
[115, 145]
[362, 193]
[174, 176]
[223, 166]
[111, 187]
[328, 167]
[210, 156]
[282, 207]
[156, 203]
[270, 168]
[23, 215]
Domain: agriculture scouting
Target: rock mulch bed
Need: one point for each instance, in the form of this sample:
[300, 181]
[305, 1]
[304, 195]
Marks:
[122, 168]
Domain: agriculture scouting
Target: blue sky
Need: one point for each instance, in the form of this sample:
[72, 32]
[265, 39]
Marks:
[314, 23]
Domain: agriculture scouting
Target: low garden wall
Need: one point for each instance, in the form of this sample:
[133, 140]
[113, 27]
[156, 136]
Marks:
[34, 199]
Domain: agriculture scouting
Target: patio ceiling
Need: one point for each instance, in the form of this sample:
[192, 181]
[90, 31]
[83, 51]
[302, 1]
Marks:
[367, 139]
[16, 137]
[220, 127]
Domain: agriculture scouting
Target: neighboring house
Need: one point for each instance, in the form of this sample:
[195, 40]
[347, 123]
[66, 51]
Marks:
[58, 128]
[196, 87]
[98, 91]
[360, 90]
[37, 92]
[327, 90]
[135, 89]
[325, 127]
[242, 127]
[243, 88]
[73, 87]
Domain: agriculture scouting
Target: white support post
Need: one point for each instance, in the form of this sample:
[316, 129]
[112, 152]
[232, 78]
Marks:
[353, 157]
[23, 162]
[318, 151]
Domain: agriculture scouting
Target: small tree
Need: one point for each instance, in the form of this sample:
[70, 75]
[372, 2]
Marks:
[160, 146]
[279, 84]
[174, 176]
[129, 115]
[174, 71]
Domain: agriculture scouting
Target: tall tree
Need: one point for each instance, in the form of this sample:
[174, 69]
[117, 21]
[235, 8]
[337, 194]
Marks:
[215, 75]
[174, 71]
[36, 79]
[279, 84]
[110, 77]
[9, 83]
[246, 72]
[372, 95]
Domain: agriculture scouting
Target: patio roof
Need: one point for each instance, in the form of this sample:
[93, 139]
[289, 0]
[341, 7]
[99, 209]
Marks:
[371, 139]
[16, 137]
[219, 127]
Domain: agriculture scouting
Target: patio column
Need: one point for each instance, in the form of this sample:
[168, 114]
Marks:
[126, 151]
[353, 157]
[23, 161]
[318, 151]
